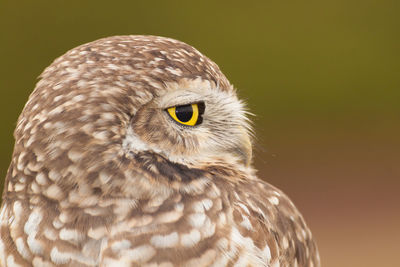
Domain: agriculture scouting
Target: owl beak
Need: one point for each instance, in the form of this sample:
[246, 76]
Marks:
[244, 149]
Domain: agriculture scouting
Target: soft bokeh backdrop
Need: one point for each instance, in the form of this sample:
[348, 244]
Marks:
[322, 77]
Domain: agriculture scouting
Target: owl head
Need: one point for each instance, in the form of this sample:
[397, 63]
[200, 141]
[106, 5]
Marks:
[104, 103]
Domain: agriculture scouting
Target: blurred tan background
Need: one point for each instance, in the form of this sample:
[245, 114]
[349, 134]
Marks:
[323, 78]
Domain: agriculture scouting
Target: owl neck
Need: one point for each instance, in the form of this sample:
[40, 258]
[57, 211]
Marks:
[93, 184]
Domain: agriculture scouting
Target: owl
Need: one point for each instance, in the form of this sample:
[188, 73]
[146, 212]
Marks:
[136, 151]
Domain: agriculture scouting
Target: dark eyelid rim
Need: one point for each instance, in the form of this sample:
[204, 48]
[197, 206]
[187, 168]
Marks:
[202, 107]
[200, 104]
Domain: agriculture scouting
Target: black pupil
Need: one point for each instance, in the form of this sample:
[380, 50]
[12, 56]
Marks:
[184, 113]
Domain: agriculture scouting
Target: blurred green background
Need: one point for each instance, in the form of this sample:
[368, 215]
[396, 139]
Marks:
[322, 78]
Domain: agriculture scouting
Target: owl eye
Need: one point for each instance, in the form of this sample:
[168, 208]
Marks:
[189, 115]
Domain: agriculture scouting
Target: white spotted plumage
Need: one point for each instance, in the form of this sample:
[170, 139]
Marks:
[101, 175]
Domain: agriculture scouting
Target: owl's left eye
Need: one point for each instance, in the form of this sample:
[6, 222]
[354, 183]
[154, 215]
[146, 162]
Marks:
[189, 115]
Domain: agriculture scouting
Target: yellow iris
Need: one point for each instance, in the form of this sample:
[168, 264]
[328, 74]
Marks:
[185, 114]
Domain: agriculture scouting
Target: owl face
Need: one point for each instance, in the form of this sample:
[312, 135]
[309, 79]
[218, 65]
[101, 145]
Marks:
[192, 123]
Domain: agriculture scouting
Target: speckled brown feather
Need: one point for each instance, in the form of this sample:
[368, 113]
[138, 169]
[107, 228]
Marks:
[102, 176]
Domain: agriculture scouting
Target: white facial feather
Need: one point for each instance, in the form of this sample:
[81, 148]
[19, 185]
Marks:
[225, 125]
